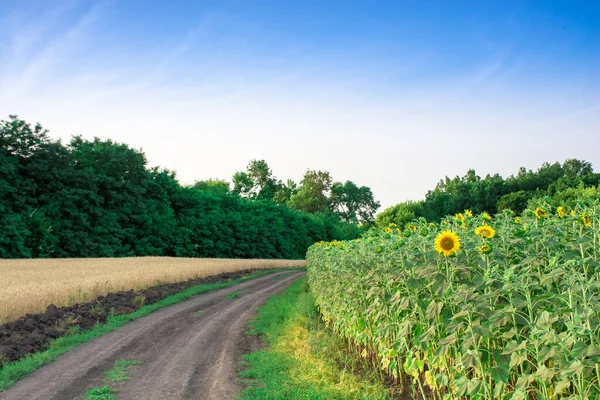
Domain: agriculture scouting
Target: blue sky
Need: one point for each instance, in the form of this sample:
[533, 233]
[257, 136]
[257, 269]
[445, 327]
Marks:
[390, 94]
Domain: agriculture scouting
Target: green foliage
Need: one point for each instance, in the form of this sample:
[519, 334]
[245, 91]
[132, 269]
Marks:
[257, 182]
[352, 203]
[313, 195]
[317, 193]
[303, 359]
[400, 214]
[512, 313]
[99, 199]
[102, 393]
[492, 194]
[213, 185]
[119, 372]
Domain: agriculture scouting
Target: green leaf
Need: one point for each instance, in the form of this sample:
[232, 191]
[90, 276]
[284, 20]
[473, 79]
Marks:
[576, 367]
[447, 340]
[513, 346]
[500, 373]
[434, 309]
[545, 374]
[518, 395]
[474, 386]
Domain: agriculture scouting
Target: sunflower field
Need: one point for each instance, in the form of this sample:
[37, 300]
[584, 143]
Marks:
[475, 307]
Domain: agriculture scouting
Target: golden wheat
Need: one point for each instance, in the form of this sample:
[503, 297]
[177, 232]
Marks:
[29, 286]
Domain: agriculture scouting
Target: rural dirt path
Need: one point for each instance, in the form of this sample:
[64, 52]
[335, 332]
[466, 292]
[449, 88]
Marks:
[190, 350]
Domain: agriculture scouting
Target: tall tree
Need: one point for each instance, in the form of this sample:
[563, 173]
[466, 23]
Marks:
[353, 204]
[313, 194]
[257, 182]
[285, 191]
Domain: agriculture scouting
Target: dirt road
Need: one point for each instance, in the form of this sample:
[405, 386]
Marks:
[190, 350]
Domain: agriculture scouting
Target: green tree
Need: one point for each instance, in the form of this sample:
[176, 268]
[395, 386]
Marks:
[257, 182]
[285, 191]
[400, 214]
[313, 194]
[353, 204]
[213, 185]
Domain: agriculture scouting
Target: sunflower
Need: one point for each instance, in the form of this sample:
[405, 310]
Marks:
[540, 213]
[560, 211]
[447, 242]
[485, 248]
[518, 220]
[460, 217]
[585, 218]
[411, 227]
[468, 213]
[388, 230]
[486, 216]
[485, 231]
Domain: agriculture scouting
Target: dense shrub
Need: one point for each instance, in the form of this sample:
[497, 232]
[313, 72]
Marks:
[99, 199]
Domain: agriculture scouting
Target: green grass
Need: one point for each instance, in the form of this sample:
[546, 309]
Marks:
[12, 372]
[103, 393]
[304, 360]
[119, 372]
[234, 294]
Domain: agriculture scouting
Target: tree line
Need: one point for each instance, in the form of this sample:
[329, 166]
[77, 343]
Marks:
[494, 193]
[99, 198]
[317, 192]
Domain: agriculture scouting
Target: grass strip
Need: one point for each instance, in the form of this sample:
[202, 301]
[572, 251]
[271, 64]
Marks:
[119, 372]
[12, 372]
[278, 277]
[303, 359]
[103, 393]
[234, 295]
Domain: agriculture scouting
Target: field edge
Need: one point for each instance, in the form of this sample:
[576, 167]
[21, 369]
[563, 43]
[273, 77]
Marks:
[301, 357]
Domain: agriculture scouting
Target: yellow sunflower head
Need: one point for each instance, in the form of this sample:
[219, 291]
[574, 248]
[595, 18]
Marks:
[560, 211]
[486, 216]
[460, 217]
[388, 230]
[485, 248]
[518, 220]
[586, 219]
[485, 231]
[540, 213]
[411, 227]
[468, 213]
[447, 243]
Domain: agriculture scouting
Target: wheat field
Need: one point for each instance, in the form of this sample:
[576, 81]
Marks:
[29, 286]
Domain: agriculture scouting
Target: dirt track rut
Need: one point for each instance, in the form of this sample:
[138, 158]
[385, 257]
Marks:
[190, 350]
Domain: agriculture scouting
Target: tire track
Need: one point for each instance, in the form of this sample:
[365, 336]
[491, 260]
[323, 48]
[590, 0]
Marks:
[185, 355]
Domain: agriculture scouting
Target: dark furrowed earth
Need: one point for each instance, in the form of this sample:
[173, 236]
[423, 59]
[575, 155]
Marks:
[33, 332]
[190, 350]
